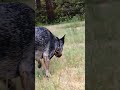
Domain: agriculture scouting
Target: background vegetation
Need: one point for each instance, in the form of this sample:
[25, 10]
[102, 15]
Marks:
[57, 11]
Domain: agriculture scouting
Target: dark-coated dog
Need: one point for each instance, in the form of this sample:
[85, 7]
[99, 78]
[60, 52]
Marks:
[46, 46]
[17, 35]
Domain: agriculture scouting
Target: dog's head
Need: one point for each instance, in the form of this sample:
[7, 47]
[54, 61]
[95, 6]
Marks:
[59, 46]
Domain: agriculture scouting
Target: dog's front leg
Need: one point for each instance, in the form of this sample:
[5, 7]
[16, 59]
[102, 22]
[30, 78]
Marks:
[26, 71]
[47, 61]
[24, 80]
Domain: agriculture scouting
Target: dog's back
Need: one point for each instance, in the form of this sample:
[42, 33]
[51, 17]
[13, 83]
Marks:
[44, 39]
[16, 36]
[46, 46]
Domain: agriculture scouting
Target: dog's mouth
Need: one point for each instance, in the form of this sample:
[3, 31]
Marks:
[58, 54]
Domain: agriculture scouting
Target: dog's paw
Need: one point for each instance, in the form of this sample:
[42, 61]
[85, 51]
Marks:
[48, 74]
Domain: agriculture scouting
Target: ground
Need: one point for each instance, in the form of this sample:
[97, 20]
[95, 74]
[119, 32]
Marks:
[68, 72]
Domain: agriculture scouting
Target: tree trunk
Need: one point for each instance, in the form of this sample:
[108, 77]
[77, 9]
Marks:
[38, 4]
[50, 10]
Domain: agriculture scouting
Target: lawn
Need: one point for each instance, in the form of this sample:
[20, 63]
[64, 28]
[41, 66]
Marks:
[68, 72]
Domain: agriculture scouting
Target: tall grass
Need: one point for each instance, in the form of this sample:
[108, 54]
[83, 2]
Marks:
[63, 20]
[68, 72]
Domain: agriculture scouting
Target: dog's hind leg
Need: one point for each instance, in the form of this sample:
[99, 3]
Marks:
[41, 64]
[25, 81]
[11, 85]
[45, 66]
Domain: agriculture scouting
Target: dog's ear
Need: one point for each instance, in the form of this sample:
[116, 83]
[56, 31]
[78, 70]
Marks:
[63, 39]
[57, 38]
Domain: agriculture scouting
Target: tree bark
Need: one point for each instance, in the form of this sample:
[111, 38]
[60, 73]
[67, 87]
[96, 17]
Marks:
[50, 10]
[38, 4]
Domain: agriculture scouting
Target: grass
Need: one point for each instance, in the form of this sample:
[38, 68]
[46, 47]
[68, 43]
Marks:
[68, 72]
[75, 19]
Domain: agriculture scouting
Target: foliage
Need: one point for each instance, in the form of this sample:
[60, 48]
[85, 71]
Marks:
[64, 10]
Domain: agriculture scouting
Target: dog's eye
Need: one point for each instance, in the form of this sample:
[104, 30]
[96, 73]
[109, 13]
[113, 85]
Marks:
[57, 50]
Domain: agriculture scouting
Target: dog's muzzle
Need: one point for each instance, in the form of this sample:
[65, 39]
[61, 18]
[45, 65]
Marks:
[57, 54]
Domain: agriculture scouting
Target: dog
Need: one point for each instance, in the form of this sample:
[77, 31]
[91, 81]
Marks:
[46, 46]
[17, 38]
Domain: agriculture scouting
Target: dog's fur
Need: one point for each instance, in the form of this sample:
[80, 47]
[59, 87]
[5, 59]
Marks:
[17, 43]
[46, 46]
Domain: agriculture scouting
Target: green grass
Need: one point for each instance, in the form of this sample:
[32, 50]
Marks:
[68, 72]
[75, 19]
